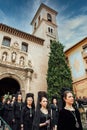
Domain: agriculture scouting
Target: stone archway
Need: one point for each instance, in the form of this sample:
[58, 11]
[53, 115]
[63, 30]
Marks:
[8, 84]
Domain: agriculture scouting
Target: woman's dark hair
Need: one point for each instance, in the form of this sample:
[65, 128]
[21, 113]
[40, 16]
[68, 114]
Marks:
[36, 121]
[54, 97]
[64, 92]
[16, 97]
[32, 96]
[7, 99]
[41, 94]
[65, 96]
[13, 95]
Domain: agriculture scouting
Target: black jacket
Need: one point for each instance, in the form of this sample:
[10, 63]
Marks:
[18, 109]
[67, 120]
[27, 117]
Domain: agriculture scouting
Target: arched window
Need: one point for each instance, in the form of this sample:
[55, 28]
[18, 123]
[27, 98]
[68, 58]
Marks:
[35, 26]
[39, 18]
[49, 17]
[49, 29]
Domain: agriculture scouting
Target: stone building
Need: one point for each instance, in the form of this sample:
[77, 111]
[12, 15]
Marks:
[77, 60]
[24, 57]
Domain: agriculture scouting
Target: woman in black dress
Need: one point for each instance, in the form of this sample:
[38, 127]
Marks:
[7, 114]
[54, 112]
[69, 117]
[42, 116]
[17, 109]
[28, 112]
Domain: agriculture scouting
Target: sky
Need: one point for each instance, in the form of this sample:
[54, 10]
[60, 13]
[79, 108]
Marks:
[71, 18]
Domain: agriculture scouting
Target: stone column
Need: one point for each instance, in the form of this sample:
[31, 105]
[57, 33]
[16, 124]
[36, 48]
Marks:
[28, 79]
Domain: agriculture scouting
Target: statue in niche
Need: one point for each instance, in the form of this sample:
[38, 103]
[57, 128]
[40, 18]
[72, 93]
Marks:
[4, 56]
[21, 60]
[13, 56]
[30, 63]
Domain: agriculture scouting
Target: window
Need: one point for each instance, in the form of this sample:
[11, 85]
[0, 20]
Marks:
[6, 41]
[86, 61]
[49, 18]
[67, 60]
[24, 47]
[50, 30]
[85, 48]
[35, 26]
[50, 41]
[38, 19]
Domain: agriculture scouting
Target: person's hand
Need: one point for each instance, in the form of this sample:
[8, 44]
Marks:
[47, 122]
[13, 120]
[22, 127]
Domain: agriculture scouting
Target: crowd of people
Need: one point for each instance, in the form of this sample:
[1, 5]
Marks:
[21, 115]
[81, 101]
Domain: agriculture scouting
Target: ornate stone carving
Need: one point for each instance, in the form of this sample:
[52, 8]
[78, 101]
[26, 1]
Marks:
[16, 45]
[13, 56]
[30, 63]
[4, 56]
[21, 62]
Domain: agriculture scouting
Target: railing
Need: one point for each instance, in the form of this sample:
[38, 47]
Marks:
[4, 125]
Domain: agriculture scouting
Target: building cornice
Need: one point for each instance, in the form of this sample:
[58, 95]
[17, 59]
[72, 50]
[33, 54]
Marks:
[75, 45]
[46, 7]
[16, 67]
[21, 34]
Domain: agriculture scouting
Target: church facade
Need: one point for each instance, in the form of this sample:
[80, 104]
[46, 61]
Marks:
[24, 57]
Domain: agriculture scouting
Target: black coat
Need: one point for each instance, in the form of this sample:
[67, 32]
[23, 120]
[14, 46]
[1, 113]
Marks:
[18, 106]
[67, 120]
[1, 108]
[27, 117]
[54, 115]
[40, 117]
[18, 109]
[8, 113]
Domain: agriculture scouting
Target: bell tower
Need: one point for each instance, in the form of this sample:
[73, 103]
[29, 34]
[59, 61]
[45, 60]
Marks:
[44, 26]
[44, 23]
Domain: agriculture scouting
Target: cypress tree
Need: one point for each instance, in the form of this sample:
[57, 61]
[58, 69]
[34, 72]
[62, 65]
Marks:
[58, 74]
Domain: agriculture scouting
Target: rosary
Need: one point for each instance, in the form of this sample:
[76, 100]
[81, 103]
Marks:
[77, 124]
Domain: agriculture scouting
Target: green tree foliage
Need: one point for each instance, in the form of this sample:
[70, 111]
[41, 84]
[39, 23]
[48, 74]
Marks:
[58, 74]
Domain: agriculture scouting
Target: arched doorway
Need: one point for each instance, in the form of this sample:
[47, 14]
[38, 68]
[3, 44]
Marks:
[8, 85]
